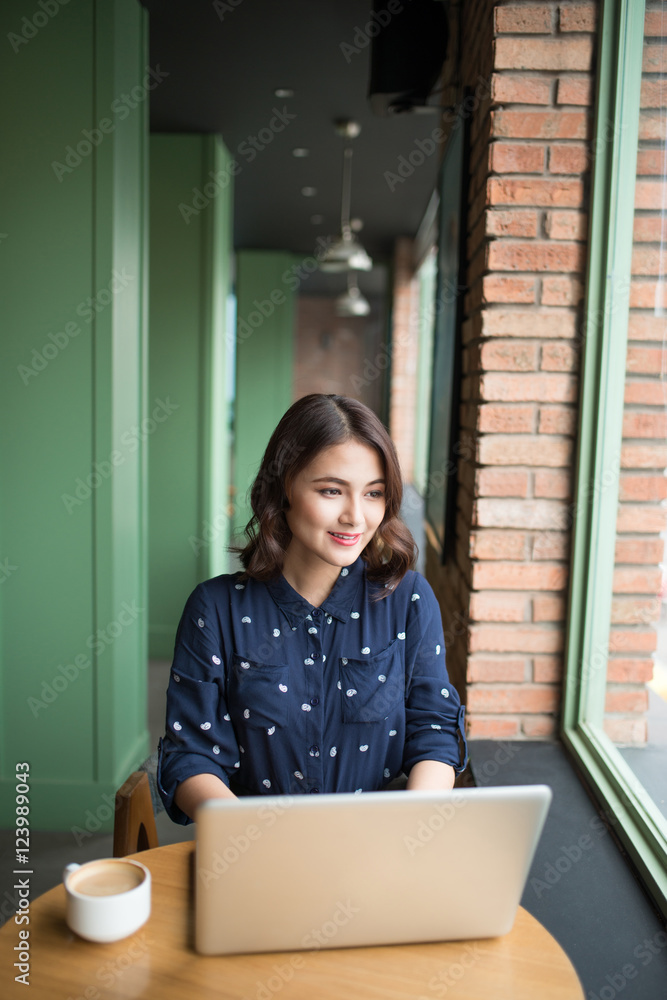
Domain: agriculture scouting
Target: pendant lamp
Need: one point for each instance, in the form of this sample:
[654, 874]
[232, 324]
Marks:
[352, 302]
[346, 253]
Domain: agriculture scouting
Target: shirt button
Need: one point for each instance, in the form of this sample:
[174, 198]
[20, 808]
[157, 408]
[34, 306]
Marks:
[314, 750]
[314, 701]
[316, 612]
[316, 656]
[314, 791]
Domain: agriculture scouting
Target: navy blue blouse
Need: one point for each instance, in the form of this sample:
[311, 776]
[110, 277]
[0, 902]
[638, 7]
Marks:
[275, 696]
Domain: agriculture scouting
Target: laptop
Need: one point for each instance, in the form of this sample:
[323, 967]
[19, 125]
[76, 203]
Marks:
[290, 873]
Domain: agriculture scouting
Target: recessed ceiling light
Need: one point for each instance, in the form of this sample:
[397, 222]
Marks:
[283, 92]
[356, 225]
[317, 220]
[300, 151]
[309, 192]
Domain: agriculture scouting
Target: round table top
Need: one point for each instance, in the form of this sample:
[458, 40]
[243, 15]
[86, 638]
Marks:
[160, 960]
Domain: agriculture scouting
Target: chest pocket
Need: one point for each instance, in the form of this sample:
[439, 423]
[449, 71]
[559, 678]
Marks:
[258, 693]
[370, 689]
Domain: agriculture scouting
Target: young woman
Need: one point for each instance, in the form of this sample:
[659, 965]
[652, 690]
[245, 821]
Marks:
[321, 667]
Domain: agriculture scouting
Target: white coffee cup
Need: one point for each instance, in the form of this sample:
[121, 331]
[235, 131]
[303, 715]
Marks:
[107, 899]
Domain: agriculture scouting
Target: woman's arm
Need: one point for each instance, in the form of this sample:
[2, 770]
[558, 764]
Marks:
[193, 791]
[430, 775]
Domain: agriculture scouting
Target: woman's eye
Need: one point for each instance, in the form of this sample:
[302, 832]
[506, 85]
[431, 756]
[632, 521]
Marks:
[330, 491]
[376, 494]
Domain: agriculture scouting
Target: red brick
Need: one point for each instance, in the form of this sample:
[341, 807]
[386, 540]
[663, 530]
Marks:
[493, 669]
[647, 392]
[543, 53]
[502, 483]
[516, 158]
[628, 580]
[645, 360]
[626, 700]
[536, 515]
[643, 295]
[652, 94]
[507, 89]
[652, 126]
[635, 610]
[506, 288]
[556, 484]
[519, 449]
[512, 698]
[511, 223]
[539, 388]
[632, 640]
[493, 728]
[523, 20]
[640, 519]
[501, 323]
[559, 357]
[647, 260]
[518, 576]
[548, 545]
[566, 225]
[646, 327]
[557, 420]
[549, 609]
[539, 727]
[647, 229]
[570, 159]
[562, 291]
[644, 425]
[493, 607]
[649, 194]
[654, 59]
[625, 731]
[643, 456]
[654, 23]
[535, 256]
[629, 671]
[649, 161]
[649, 489]
[545, 192]
[509, 355]
[500, 419]
[497, 545]
[639, 550]
[576, 90]
[547, 669]
[578, 17]
[539, 124]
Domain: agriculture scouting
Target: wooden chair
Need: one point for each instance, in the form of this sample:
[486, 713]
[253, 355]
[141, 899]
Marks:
[134, 821]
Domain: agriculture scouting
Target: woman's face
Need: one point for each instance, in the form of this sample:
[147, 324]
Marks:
[336, 504]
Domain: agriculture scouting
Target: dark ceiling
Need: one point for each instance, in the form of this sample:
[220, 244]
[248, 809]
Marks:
[225, 60]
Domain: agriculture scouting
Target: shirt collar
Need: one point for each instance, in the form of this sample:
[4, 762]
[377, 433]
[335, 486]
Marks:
[339, 603]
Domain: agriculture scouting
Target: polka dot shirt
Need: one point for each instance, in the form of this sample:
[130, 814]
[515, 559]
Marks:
[275, 696]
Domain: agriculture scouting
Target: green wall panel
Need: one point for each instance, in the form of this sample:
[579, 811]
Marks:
[265, 336]
[72, 691]
[191, 356]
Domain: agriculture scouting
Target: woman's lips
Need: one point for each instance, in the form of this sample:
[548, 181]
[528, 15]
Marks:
[345, 539]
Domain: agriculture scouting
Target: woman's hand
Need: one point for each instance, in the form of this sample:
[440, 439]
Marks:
[430, 775]
[199, 788]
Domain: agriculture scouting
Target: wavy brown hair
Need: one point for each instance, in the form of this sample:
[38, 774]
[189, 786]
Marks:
[313, 423]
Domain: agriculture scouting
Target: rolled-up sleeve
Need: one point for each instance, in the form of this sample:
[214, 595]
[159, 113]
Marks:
[435, 728]
[199, 737]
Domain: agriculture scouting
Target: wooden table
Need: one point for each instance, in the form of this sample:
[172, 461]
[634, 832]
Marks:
[159, 961]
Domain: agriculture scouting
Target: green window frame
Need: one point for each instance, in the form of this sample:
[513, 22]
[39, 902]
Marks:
[636, 819]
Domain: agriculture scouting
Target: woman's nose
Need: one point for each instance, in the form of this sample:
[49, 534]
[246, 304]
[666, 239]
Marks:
[352, 513]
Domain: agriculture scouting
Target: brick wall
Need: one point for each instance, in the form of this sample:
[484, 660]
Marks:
[526, 258]
[404, 350]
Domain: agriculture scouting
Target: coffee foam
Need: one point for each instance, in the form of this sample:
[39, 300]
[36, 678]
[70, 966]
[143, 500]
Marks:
[105, 878]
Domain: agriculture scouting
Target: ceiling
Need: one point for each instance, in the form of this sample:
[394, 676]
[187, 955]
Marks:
[225, 61]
